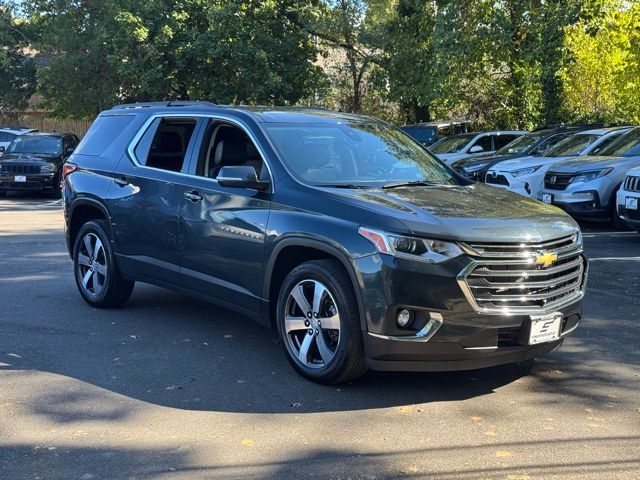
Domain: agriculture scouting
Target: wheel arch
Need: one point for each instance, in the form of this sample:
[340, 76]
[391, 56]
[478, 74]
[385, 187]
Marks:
[293, 251]
[82, 211]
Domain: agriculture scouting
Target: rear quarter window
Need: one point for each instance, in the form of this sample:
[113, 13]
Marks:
[104, 131]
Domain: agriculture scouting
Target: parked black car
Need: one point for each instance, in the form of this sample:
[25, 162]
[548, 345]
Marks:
[34, 162]
[349, 238]
[428, 133]
[535, 143]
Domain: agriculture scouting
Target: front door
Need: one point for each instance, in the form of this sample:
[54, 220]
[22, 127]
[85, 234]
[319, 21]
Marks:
[222, 228]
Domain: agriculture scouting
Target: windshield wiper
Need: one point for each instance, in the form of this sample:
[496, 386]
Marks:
[342, 185]
[414, 183]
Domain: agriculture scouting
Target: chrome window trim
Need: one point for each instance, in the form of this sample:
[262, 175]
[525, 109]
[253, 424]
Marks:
[226, 118]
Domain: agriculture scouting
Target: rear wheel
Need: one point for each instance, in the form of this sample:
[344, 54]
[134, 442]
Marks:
[319, 324]
[97, 276]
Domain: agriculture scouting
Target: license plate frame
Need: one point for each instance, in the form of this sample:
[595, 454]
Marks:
[547, 198]
[631, 203]
[545, 328]
[20, 179]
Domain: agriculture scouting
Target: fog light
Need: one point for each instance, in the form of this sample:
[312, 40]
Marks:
[404, 318]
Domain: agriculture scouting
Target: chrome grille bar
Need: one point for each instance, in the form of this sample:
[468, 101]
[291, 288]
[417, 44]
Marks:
[505, 278]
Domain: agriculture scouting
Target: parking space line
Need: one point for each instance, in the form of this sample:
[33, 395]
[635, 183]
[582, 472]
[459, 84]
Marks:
[601, 234]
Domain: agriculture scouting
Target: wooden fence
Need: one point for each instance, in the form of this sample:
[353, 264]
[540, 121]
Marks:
[47, 124]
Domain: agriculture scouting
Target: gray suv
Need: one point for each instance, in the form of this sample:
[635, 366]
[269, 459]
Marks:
[342, 233]
[586, 187]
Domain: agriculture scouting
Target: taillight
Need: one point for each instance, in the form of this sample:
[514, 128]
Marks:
[68, 168]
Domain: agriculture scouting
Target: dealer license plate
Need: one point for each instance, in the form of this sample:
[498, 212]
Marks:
[547, 198]
[631, 203]
[545, 328]
[20, 178]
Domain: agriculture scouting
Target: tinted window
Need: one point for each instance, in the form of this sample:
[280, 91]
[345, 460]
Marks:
[572, 145]
[520, 144]
[603, 144]
[546, 144]
[452, 144]
[485, 143]
[363, 154]
[4, 137]
[227, 145]
[165, 146]
[502, 140]
[43, 144]
[102, 133]
[627, 145]
[422, 134]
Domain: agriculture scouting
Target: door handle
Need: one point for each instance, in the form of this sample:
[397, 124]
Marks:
[122, 181]
[193, 197]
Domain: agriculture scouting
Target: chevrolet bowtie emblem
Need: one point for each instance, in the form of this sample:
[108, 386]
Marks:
[546, 259]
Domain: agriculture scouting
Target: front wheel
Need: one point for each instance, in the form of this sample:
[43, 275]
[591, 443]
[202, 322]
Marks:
[319, 324]
[97, 276]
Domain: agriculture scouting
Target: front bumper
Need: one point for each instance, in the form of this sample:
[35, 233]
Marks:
[588, 201]
[465, 339]
[631, 217]
[33, 182]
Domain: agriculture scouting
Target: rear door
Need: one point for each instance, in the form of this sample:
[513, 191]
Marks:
[146, 195]
[223, 229]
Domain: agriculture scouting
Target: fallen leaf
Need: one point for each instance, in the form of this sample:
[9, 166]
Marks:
[503, 454]
[475, 419]
[247, 442]
[133, 336]
[490, 433]
[173, 387]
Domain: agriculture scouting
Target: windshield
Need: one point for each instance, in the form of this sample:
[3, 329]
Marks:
[47, 145]
[520, 144]
[627, 145]
[572, 145]
[355, 154]
[452, 144]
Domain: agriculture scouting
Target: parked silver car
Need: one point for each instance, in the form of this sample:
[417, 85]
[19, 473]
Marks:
[586, 187]
[465, 145]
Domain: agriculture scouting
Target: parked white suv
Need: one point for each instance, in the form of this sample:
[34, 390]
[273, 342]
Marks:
[629, 199]
[525, 175]
[465, 145]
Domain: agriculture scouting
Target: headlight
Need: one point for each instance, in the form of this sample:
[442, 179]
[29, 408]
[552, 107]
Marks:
[432, 251]
[525, 171]
[587, 176]
[48, 168]
[474, 168]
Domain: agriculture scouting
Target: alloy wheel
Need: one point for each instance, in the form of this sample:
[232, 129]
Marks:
[312, 324]
[92, 265]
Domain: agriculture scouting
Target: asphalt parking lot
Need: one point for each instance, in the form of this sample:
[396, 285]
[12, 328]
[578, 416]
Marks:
[173, 388]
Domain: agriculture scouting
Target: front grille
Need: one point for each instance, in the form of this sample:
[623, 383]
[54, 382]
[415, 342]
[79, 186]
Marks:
[557, 181]
[496, 179]
[20, 169]
[505, 278]
[632, 184]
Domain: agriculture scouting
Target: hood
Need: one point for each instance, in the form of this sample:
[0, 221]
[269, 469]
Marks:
[471, 213]
[635, 172]
[525, 162]
[580, 164]
[28, 158]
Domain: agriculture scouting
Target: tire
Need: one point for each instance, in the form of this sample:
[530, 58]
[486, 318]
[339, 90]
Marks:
[95, 270]
[615, 221]
[342, 358]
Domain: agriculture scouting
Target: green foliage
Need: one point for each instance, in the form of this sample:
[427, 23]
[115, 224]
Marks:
[602, 79]
[17, 71]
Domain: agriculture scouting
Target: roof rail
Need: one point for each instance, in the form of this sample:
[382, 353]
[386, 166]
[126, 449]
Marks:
[166, 103]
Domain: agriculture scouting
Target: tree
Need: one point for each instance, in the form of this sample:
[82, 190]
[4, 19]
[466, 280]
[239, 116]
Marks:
[602, 78]
[17, 70]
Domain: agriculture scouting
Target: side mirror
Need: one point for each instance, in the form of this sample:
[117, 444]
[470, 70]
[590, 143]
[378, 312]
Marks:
[241, 177]
[2, 150]
[476, 149]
